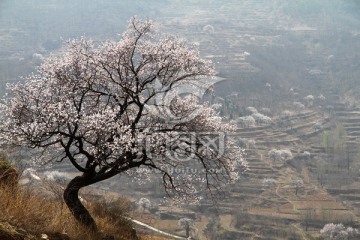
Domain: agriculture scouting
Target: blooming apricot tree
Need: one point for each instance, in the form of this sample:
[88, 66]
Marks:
[119, 107]
[333, 231]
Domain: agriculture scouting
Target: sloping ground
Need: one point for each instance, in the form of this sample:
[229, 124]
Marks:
[344, 182]
[274, 212]
[9, 232]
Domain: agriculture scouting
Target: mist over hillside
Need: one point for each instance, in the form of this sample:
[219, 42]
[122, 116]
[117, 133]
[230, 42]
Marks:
[283, 41]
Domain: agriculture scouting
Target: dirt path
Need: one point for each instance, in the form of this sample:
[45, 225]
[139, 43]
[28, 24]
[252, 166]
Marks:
[155, 229]
[305, 173]
[299, 229]
[277, 192]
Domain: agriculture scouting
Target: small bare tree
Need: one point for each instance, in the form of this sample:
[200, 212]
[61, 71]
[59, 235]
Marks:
[186, 223]
[298, 183]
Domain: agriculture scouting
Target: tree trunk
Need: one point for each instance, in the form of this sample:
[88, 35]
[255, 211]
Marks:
[71, 198]
[187, 230]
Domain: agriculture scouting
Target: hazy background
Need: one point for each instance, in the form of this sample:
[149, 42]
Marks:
[302, 44]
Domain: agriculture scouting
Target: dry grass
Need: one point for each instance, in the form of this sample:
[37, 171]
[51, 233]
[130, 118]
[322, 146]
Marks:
[29, 209]
[28, 212]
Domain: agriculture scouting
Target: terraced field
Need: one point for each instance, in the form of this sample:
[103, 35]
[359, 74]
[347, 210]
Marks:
[280, 211]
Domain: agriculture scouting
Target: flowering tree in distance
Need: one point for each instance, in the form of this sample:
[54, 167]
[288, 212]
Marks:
[144, 203]
[333, 231]
[120, 107]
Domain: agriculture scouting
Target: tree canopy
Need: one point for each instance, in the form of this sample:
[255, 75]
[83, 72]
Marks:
[120, 107]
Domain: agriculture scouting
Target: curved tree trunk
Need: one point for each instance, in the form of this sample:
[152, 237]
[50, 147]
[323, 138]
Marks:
[71, 198]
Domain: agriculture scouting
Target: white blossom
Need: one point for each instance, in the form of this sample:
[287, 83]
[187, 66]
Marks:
[277, 155]
[309, 99]
[305, 155]
[251, 110]
[269, 182]
[333, 231]
[246, 121]
[144, 203]
[285, 114]
[321, 97]
[261, 119]
[297, 182]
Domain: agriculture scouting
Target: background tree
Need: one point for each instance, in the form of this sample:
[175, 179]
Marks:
[279, 155]
[185, 223]
[116, 107]
[269, 182]
[144, 204]
[297, 184]
[333, 231]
